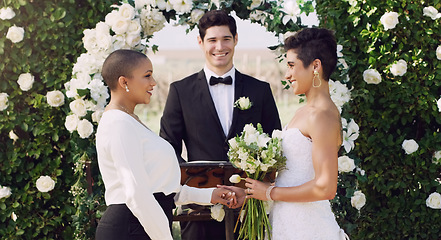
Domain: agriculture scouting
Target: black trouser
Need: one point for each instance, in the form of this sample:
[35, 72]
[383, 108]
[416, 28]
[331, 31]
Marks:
[119, 223]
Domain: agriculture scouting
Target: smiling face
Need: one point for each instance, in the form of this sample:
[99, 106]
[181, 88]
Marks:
[141, 82]
[218, 46]
[299, 76]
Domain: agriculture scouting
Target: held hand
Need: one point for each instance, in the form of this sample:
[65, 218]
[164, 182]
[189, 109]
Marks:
[239, 193]
[223, 196]
[256, 189]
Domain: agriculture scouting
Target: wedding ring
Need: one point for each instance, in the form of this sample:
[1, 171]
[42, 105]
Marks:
[248, 190]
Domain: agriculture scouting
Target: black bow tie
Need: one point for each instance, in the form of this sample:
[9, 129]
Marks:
[215, 80]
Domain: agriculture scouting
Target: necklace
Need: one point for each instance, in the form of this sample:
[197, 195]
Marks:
[133, 115]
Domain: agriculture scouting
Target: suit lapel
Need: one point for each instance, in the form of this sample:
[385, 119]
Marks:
[238, 89]
[207, 101]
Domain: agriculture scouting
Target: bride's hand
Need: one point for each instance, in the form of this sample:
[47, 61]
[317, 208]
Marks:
[256, 189]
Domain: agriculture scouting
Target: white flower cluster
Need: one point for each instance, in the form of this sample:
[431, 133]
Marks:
[15, 34]
[340, 94]
[254, 151]
[350, 134]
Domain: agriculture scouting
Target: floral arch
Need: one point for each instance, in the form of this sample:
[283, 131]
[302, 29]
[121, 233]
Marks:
[130, 26]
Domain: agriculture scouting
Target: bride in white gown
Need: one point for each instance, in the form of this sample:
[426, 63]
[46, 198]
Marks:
[311, 142]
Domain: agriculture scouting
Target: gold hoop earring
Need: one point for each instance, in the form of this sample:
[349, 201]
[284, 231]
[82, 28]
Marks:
[127, 89]
[316, 75]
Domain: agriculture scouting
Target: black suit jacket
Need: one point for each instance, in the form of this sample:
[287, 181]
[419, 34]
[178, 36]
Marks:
[190, 115]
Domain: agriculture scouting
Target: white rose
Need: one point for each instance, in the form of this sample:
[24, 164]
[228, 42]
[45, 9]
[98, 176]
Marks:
[15, 34]
[410, 146]
[71, 122]
[437, 157]
[6, 13]
[235, 178]
[434, 200]
[132, 40]
[55, 98]
[13, 136]
[276, 134]
[438, 103]
[438, 52]
[25, 80]
[345, 164]
[96, 116]
[399, 68]
[111, 17]
[3, 101]
[126, 11]
[389, 20]
[45, 184]
[84, 128]
[134, 27]
[358, 200]
[182, 6]
[372, 76]
[196, 15]
[243, 103]
[431, 12]
[78, 107]
[217, 212]
[5, 192]
[120, 26]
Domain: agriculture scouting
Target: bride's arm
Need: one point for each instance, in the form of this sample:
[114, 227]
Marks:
[324, 131]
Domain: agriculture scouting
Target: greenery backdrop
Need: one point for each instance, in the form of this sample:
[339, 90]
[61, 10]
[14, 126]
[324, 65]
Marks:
[35, 142]
[396, 109]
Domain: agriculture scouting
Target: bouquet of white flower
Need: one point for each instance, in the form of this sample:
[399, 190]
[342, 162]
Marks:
[257, 154]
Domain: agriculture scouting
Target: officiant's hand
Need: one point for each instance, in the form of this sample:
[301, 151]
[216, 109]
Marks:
[239, 193]
[224, 196]
[256, 189]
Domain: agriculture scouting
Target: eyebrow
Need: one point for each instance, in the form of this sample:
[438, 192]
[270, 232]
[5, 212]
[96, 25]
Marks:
[149, 71]
[226, 36]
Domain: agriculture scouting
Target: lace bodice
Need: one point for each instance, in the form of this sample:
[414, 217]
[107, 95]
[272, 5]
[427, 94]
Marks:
[304, 220]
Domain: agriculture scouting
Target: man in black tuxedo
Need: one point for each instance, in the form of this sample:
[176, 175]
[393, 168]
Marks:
[200, 108]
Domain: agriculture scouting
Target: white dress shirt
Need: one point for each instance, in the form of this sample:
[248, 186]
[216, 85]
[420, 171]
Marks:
[223, 97]
[135, 163]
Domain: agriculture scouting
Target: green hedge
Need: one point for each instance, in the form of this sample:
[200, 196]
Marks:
[52, 41]
[397, 109]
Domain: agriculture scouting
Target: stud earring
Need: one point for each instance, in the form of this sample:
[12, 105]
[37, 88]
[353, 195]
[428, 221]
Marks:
[127, 89]
[316, 76]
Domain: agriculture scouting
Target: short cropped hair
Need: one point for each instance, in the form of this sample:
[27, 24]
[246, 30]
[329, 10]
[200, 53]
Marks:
[315, 43]
[216, 18]
[120, 63]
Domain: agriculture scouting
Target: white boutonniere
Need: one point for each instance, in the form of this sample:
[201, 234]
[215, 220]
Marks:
[243, 103]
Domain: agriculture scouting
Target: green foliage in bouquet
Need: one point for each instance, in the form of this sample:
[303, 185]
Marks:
[257, 154]
[393, 50]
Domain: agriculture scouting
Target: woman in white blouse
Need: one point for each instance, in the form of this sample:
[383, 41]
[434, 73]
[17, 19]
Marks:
[139, 169]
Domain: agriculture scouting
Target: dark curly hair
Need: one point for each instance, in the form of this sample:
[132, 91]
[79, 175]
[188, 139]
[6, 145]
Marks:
[315, 43]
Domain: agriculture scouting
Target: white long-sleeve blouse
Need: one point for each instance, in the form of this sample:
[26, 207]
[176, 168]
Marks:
[135, 163]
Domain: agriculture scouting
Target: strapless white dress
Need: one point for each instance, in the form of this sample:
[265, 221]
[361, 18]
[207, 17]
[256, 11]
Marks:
[302, 221]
